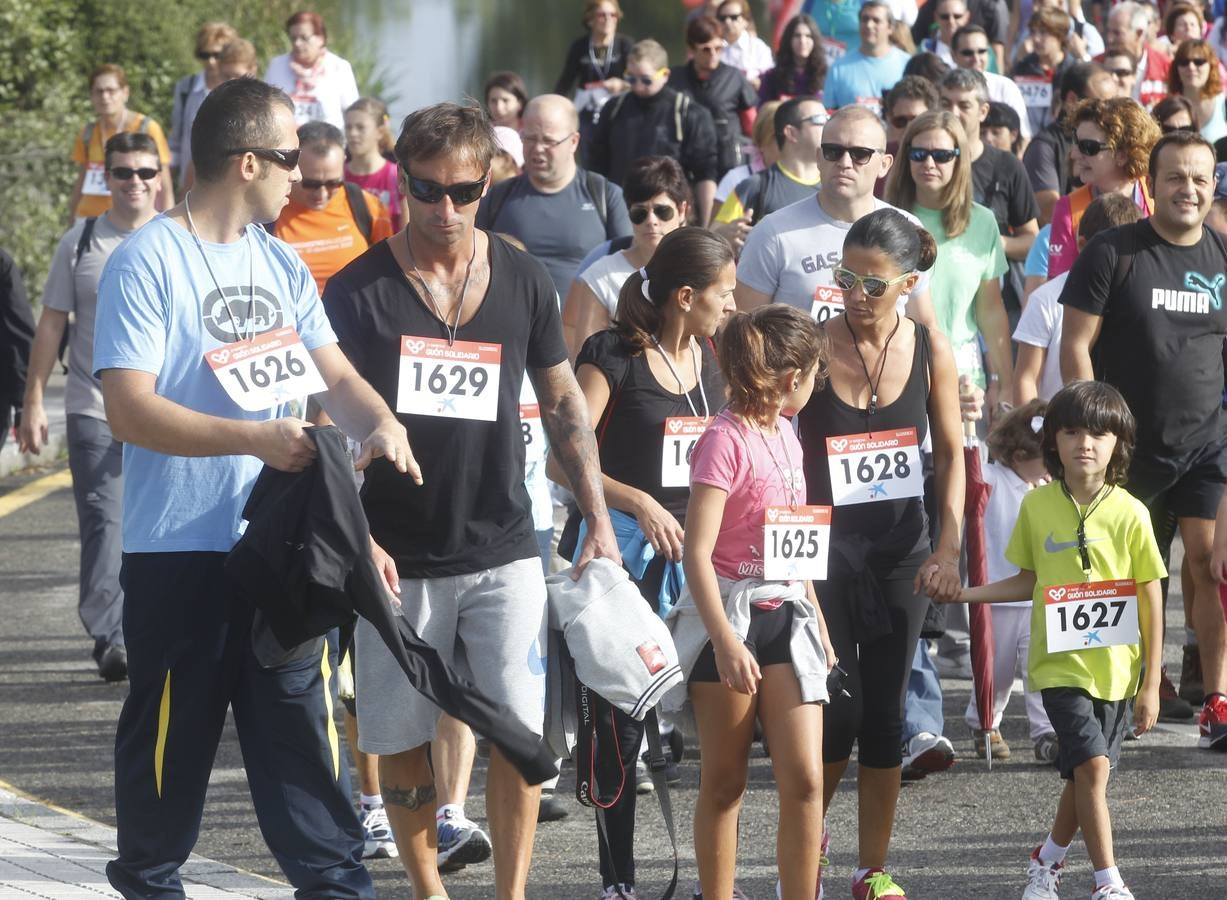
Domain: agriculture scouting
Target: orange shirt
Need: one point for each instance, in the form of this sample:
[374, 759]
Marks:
[95, 198]
[327, 239]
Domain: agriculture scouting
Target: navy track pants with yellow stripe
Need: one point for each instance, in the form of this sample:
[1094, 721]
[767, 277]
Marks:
[189, 658]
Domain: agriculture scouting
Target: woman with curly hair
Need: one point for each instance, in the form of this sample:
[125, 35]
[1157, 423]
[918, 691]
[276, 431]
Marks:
[1112, 143]
[800, 65]
[1195, 76]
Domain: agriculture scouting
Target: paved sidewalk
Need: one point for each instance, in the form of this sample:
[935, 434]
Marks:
[57, 436]
[49, 853]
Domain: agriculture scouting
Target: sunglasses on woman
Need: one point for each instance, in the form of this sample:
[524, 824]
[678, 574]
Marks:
[1192, 61]
[639, 214]
[1088, 147]
[462, 193]
[941, 157]
[873, 286]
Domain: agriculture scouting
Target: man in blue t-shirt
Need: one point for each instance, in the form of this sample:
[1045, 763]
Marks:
[863, 75]
[206, 327]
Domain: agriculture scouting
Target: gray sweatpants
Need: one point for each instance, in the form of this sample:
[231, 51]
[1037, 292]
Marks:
[95, 460]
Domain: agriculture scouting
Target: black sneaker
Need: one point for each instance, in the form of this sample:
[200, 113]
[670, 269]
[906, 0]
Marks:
[551, 809]
[113, 663]
[1191, 687]
[1172, 707]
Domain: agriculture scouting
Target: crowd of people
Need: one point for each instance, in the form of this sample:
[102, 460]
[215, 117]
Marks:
[651, 317]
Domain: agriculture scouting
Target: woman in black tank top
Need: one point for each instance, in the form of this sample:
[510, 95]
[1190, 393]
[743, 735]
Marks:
[890, 378]
[653, 371]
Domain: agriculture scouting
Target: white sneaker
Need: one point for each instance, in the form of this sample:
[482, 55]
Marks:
[461, 843]
[612, 893]
[378, 841]
[1112, 892]
[927, 753]
[1042, 879]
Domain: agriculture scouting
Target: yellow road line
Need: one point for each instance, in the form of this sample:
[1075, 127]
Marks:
[34, 491]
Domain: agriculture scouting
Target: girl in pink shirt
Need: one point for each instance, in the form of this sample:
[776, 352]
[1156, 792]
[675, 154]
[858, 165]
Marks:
[767, 652]
[368, 140]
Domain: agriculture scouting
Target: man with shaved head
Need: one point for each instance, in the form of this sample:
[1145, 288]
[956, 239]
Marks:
[558, 210]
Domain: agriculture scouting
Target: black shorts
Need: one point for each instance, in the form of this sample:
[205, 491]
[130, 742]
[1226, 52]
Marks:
[769, 641]
[1186, 487]
[1085, 726]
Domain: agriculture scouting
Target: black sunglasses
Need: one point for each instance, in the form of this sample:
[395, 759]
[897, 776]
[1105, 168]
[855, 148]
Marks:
[951, 17]
[902, 122]
[1087, 147]
[1121, 73]
[974, 51]
[633, 80]
[208, 55]
[125, 173]
[860, 155]
[287, 159]
[1192, 62]
[729, 17]
[314, 184]
[920, 154]
[639, 214]
[462, 194]
[1170, 129]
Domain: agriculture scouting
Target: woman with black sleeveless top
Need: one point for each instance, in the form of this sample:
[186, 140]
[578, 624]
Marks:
[890, 378]
[651, 382]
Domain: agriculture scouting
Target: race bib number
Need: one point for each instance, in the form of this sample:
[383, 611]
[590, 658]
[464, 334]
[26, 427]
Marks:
[533, 432]
[308, 109]
[95, 183]
[681, 434]
[266, 371]
[796, 543]
[833, 49]
[1036, 92]
[828, 303]
[870, 468]
[1084, 616]
[456, 381]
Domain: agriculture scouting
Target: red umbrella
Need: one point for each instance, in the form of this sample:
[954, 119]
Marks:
[980, 614]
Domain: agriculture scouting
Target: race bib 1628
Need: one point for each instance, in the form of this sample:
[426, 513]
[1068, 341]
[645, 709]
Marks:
[876, 466]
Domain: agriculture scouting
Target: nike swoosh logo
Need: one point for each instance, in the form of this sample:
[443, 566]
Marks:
[1052, 546]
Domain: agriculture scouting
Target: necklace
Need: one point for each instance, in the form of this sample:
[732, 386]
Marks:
[698, 375]
[251, 278]
[873, 388]
[602, 68]
[786, 477]
[1083, 552]
[450, 330]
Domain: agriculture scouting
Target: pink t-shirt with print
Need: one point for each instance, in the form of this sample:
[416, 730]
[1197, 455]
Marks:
[756, 471]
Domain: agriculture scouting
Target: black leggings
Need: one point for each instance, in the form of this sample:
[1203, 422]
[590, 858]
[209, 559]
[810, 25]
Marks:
[877, 673]
[618, 862]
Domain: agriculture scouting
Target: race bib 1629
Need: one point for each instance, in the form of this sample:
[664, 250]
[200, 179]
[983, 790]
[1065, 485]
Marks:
[457, 381]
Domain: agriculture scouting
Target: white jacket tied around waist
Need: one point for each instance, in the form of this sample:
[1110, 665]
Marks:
[621, 649]
[809, 659]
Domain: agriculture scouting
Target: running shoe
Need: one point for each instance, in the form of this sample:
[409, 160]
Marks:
[619, 892]
[1042, 879]
[1112, 892]
[875, 885]
[461, 843]
[1191, 687]
[378, 841]
[1172, 707]
[925, 754]
[1213, 723]
[999, 748]
[551, 809]
[643, 778]
[1046, 749]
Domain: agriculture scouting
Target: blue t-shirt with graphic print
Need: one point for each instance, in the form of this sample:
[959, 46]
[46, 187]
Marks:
[159, 311]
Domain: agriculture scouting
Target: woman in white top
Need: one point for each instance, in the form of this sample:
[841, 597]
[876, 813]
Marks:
[657, 198]
[320, 83]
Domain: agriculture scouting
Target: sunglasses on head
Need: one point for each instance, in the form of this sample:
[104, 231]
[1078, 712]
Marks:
[462, 194]
[846, 280]
[639, 214]
[1088, 147]
[287, 159]
[1170, 129]
[314, 184]
[859, 155]
[920, 154]
[208, 55]
[125, 173]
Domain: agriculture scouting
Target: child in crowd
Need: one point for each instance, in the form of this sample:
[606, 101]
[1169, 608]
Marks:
[369, 143]
[1087, 554]
[1017, 467]
[753, 644]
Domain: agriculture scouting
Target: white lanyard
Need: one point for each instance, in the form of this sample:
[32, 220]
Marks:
[698, 376]
[251, 277]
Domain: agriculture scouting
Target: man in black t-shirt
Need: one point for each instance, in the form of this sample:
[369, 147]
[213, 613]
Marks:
[445, 321]
[1143, 310]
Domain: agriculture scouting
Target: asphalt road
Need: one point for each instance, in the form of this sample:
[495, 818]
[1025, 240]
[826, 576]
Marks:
[963, 834]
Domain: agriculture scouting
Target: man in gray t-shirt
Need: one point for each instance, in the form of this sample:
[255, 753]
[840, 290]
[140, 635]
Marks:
[133, 175]
[557, 210]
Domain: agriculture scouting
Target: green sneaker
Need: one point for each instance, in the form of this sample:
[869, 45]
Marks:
[875, 885]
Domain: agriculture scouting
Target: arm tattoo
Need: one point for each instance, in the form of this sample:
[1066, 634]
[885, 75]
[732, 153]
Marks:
[410, 798]
[565, 418]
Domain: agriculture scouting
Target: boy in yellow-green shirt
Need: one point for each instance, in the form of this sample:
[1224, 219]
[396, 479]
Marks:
[1088, 558]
